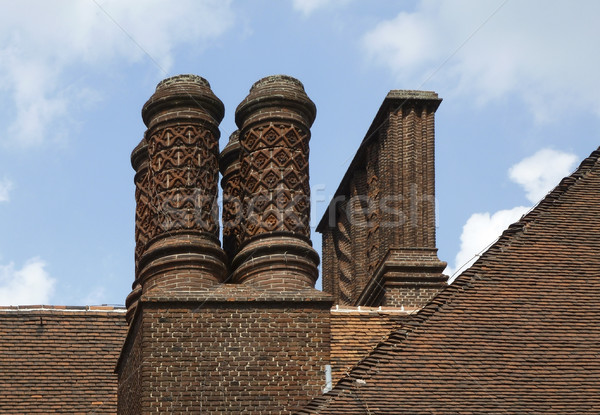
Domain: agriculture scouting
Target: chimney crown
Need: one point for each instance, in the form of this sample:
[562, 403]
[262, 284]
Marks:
[276, 97]
[183, 96]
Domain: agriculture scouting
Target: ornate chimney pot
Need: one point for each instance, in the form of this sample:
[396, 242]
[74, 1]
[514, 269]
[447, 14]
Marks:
[275, 250]
[229, 164]
[183, 251]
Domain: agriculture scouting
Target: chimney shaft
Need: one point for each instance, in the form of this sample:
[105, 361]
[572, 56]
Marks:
[229, 163]
[379, 231]
[139, 162]
[182, 251]
[274, 122]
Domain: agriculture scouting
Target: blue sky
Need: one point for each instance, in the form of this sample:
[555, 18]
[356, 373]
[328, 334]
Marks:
[518, 78]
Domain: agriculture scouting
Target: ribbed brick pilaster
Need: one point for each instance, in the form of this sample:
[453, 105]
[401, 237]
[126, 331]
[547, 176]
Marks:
[379, 231]
[406, 262]
[274, 122]
[182, 252]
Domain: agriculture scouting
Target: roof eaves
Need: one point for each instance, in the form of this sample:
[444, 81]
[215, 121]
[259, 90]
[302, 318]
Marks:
[62, 309]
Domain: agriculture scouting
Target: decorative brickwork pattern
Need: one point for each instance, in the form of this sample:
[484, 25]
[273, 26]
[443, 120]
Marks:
[343, 245]
[275, 170]
[329, 261]
[183, 171]
[274, 122]
[183, 251]
[229, 164]
[385, 204]
[373, 212]
[143, 215]
[59, 360]
[143, 219]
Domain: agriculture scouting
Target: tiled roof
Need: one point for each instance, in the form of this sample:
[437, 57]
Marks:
[59, 359]
[518, 332]
[355, 331]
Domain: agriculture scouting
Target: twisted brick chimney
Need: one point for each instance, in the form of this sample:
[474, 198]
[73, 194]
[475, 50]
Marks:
[275, 251]
[379, 231]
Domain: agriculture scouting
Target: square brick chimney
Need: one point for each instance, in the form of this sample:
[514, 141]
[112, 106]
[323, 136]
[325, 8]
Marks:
[379, 230]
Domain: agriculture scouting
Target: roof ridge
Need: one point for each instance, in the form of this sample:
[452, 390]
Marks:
[561, 188]
[43, 307]
[462, 283]
[361, 310]
[464, 280]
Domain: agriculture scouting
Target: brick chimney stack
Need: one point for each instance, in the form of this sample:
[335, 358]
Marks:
[379, 231]
[182, 251]
[199, 342]
[275, 250]
[229, 164]
[139, 162]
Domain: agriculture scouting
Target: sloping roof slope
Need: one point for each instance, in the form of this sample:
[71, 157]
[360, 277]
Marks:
[59, 359]
[518, 332]
[355, 331]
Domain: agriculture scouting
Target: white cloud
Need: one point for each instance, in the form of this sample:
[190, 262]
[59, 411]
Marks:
[39, 48]
[540, 50]
[29, 285]
[307, 7]
[5, 187]
[95, 296]
[480, 230]
[539, 173]
[404, 43]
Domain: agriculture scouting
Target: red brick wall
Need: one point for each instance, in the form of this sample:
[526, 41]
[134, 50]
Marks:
[229, 357]
[130, 372]
[355, 331]
[408, 296]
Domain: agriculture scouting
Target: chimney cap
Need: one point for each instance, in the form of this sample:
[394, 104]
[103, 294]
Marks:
[276, 79]
[272, 96]
[230, 153]
[139, 154]
[412, 94]
[181, 79]
[183, 92]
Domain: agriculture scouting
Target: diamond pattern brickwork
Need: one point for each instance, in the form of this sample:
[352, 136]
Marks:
[274, 122]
